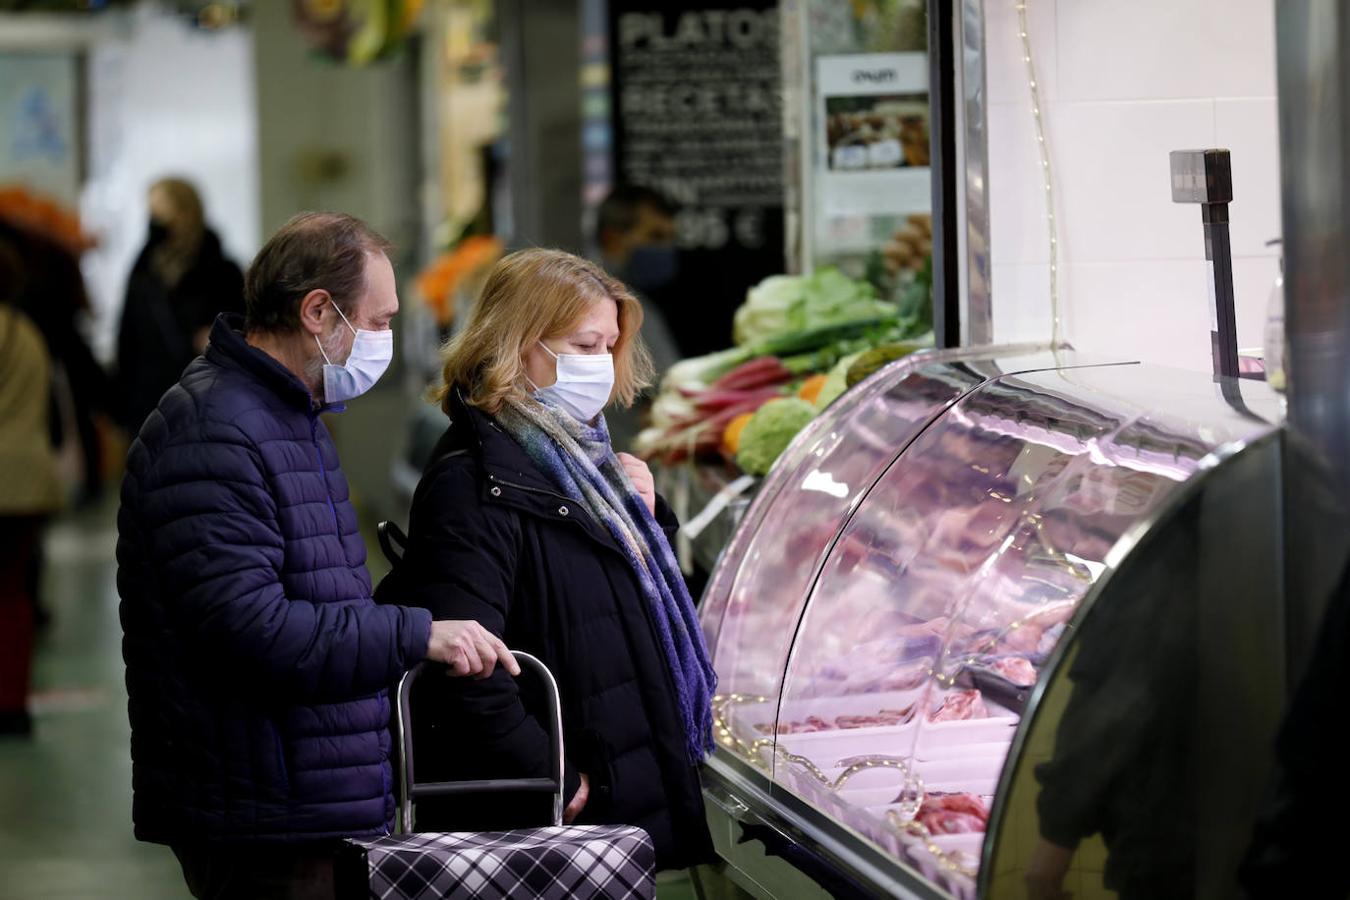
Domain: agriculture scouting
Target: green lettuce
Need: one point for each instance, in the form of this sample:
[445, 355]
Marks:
[782, 304]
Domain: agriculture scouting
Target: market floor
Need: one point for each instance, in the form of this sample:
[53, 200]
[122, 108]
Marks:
[65, 795]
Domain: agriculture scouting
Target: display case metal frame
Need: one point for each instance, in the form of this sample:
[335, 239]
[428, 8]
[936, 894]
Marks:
[741, 801]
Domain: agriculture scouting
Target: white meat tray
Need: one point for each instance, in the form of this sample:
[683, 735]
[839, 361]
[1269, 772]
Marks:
[879, 787]
[971, 843]
[936, 740]
[923, 740]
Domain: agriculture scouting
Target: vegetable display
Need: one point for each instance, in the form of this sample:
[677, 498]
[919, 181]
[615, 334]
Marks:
[770, 430]
[731, 438]
[869, 361]
[798, 339]
[836, 382]
[799, 352]
[811, 388]
[785, 304]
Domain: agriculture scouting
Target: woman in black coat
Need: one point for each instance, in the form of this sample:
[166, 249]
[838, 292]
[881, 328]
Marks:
[509, 529]
[181, 281]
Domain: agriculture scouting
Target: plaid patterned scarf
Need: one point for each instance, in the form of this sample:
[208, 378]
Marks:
[579, 460]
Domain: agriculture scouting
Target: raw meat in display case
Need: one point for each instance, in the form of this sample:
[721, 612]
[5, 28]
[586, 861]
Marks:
[959, 707]
[952, 814]
[877, 651]
[816, 723]
[1016, 670]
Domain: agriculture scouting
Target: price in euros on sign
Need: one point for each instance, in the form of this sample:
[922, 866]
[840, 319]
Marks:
[703, 228]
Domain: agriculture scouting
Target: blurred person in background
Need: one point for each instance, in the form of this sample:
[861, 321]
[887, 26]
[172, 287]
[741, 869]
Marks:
[30, 489]
[53, 296]
[51, 293]
[180, 282]
[529, 522]
[257, 660]
[635, 235]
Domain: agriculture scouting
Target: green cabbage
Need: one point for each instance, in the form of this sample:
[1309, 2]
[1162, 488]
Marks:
[781, 304]
[769, 431]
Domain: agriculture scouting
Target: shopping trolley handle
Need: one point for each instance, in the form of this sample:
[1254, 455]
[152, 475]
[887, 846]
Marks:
[410, 789]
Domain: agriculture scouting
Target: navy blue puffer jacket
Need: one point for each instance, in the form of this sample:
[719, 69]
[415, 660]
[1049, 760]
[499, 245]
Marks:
[256, 660]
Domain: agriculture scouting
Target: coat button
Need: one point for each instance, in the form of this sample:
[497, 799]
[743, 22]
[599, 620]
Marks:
[562, 511]
[496, 492]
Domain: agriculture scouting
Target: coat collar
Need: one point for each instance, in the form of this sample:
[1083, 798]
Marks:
[229, 348]
[511, 475]
[502, 458]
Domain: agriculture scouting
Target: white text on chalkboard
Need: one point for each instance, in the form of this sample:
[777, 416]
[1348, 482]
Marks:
[742, 28]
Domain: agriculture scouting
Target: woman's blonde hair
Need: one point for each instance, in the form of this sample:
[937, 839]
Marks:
[173, 258]
[531, 295]
[186, 202]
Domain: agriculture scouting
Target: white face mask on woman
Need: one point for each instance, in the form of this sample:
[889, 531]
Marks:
[372, 351]
[585, 383]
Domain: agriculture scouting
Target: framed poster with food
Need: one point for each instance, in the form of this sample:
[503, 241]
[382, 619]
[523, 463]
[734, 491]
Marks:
[873, 144]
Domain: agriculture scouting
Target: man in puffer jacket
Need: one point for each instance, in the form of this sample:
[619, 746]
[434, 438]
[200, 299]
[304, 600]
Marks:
[257, 661]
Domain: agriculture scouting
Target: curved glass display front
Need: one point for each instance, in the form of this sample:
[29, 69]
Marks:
[878, 648]
[762, 582]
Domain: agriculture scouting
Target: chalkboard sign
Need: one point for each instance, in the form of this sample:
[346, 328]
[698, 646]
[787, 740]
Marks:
[697, 106]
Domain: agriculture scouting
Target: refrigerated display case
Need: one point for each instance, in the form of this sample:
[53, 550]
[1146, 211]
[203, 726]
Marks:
[997, 607]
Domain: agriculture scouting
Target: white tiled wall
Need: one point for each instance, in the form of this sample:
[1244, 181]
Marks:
[1122, 84]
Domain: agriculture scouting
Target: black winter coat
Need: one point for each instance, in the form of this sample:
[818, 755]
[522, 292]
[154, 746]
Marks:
[155, 342]
[491, 539]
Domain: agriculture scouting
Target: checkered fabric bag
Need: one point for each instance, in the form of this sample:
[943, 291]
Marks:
[585, 861]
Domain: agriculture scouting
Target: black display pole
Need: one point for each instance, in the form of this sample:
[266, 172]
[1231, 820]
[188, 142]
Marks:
[942, 62]
[1206, 177]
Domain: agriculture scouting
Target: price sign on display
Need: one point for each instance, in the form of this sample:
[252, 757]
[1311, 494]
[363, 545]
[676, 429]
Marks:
[697, 106]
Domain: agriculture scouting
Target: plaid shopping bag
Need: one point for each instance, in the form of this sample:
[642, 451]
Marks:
[554, 863]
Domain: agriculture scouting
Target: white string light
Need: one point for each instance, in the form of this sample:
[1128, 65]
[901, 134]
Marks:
[1033, 84]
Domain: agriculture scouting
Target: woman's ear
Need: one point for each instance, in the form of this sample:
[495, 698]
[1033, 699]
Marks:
[313, 308]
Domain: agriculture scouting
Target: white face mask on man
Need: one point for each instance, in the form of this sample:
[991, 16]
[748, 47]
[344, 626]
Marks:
[372, 351]
[585, 383]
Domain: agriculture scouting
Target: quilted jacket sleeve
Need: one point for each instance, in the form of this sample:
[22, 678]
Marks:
[461, 564]
[208, 520]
